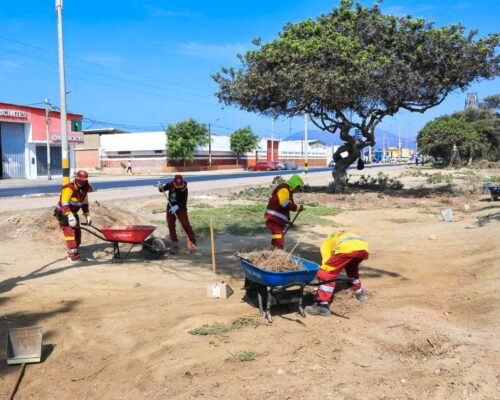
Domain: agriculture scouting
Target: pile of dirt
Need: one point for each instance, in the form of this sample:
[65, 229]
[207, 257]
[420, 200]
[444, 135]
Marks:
[273, 260]
[43, 225]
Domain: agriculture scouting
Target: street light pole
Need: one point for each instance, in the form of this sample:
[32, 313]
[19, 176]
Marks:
[399, 143]
[62, 90]
[47, 134]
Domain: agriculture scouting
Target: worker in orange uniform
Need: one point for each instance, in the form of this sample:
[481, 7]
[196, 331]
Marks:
[280, 204]
[74, 196]
[177, 210]
[341, 250]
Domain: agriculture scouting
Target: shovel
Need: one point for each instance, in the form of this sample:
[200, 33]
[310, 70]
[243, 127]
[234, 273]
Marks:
[216, 290]
[24, 346]
[291, 223]
[190, 245]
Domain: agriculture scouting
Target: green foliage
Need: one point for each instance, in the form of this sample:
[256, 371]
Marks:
[492, 102]
[381, 182]
[438, 137]
[353, 66]
[184, 137]
[246, 356]
[439, 178]
[277, 180]
[248, 220]
[123, 165]
[218, 328]
[243, 140]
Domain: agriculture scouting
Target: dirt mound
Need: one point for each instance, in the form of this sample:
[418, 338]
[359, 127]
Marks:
[44, 226]
[273, 260]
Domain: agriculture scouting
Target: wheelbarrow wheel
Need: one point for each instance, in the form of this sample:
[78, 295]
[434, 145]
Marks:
[154, 248]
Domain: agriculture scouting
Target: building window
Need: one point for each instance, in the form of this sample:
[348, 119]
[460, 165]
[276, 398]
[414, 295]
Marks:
[158, 151]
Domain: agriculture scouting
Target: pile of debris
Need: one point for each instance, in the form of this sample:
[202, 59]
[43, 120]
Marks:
[273, 260]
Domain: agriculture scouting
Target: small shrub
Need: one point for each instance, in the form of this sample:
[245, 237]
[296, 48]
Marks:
[439, 178]
[123, 166]
[381, 182]
[246, 356]
[218, 328]
[277, 180]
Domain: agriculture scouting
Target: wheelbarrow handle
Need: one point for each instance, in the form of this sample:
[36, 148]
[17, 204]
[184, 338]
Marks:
[347, 280]
[86, 228]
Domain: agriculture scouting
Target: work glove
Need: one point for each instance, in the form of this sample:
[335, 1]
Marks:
[174, 209]
[89, 220]
[72, 220]
[300, 208]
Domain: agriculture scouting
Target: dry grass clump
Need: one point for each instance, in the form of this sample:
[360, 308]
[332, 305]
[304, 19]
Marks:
[273, 260]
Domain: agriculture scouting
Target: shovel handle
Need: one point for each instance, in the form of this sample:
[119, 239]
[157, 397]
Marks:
[291, 223]
[18, 381]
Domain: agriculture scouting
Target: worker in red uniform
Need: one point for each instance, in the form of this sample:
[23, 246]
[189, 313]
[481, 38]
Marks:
[280, 204]
[74, 196]
[177, 209]
[341, 250]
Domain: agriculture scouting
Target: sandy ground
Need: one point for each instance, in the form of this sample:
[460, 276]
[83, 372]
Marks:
[121, 330]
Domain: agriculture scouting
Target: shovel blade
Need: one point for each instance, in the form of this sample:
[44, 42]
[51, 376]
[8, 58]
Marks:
[219, 290]
[24, 345]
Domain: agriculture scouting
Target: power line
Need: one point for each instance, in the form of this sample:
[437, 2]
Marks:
[95, 73]
[116, 86]
[107, 66]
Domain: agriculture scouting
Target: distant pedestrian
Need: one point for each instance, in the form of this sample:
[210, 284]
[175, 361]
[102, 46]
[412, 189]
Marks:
[416, 160]
[129, 167]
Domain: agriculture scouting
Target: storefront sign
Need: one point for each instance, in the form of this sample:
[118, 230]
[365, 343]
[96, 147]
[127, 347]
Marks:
[13, 113]
[71, 138]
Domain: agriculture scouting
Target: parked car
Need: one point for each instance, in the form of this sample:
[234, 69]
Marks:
[263, 166]
[279, 165]
[331, 164]
[290, 165]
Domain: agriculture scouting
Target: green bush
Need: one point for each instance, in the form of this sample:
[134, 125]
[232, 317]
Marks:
[381, 182]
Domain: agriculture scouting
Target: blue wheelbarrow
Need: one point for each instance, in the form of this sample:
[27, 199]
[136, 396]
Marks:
[494, 188]
[275, 288]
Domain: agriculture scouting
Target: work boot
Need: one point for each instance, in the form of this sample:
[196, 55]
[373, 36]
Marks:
[318, 310]
[360, 295]
[174, 248]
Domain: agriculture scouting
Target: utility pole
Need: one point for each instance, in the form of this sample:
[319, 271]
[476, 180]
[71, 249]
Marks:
[47, 134]
[209, 145]
[306, 147]
[399, 143]
[62, 90]
[272, 139]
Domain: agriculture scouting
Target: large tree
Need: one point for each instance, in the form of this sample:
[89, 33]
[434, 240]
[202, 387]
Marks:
[242, 141]
[438, 137]
[183, 138]
[352, 67]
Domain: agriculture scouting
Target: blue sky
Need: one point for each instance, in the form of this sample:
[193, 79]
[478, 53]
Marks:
[140, 64]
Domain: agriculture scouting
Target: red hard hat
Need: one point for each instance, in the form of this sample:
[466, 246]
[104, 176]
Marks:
[178, 181]
[82, 175]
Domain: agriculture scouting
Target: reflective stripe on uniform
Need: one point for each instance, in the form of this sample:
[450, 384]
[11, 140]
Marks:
[346, 240]
[277, 236]
[286, 202]
[325, 288]
[68, 238]
[277, 214]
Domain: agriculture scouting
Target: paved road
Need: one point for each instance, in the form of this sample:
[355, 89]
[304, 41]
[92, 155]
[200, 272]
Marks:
[35, 188]
[44, 188]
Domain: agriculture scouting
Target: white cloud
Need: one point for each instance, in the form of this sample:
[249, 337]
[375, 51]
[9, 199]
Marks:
[161, 12]
[9, 64]
[107, 59]
[200, 50]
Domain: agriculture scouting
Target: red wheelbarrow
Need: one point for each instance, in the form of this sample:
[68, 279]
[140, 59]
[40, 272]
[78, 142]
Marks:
[153, 248]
